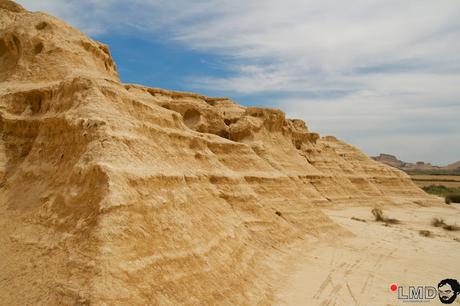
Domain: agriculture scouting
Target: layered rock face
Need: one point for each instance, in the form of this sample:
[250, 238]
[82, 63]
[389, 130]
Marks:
[115, 194]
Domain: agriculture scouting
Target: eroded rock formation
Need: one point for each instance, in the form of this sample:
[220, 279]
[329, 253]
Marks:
[123, 194]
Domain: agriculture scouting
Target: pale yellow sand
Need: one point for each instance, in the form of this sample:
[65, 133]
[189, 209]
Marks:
[360, 270]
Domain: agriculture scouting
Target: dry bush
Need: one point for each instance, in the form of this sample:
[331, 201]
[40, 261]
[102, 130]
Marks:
[358, 219]
[424, 233]
[449, 227]
[378, 214]
[379, 217]
[438, 222]
[391, 221]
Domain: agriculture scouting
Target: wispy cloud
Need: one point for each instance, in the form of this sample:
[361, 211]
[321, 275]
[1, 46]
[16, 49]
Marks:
[364, 70]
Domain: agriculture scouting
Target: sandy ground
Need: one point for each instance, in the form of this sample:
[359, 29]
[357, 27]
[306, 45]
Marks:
[360, 270]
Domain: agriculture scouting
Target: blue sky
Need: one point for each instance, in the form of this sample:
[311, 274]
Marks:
[158, 63]
[381, 75]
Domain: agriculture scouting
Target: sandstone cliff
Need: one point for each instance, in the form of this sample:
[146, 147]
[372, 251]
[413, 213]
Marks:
[122, 194]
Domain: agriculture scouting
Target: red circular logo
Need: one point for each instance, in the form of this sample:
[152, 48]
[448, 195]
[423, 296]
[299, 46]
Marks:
[393, 287]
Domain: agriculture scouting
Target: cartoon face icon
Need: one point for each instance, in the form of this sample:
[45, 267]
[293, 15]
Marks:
[448, 289]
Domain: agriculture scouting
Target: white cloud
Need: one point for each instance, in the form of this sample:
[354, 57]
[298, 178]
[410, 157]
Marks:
[409, 125]
[364, 67]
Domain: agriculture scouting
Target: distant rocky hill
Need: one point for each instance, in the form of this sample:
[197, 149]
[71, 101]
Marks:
[418, 166]
[454, 166]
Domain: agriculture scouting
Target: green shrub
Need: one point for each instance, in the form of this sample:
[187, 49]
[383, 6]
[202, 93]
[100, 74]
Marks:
[452, 198]
[441, 190]
[450, 194]
[436, 189]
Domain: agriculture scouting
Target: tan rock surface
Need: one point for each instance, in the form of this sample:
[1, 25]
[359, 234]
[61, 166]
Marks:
[128, 195]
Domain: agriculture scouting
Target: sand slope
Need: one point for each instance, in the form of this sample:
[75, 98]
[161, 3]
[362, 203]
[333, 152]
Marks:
[128, 195]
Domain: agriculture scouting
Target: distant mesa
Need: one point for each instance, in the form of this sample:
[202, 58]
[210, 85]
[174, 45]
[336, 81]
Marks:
[393, 161]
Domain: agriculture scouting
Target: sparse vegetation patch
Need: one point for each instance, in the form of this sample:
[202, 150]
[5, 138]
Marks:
[439, 222]
[424, 233]
[379, 217]
[451, 194]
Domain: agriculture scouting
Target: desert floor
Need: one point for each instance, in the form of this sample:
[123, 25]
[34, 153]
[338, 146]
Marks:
[359, 270]
[423, 180]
